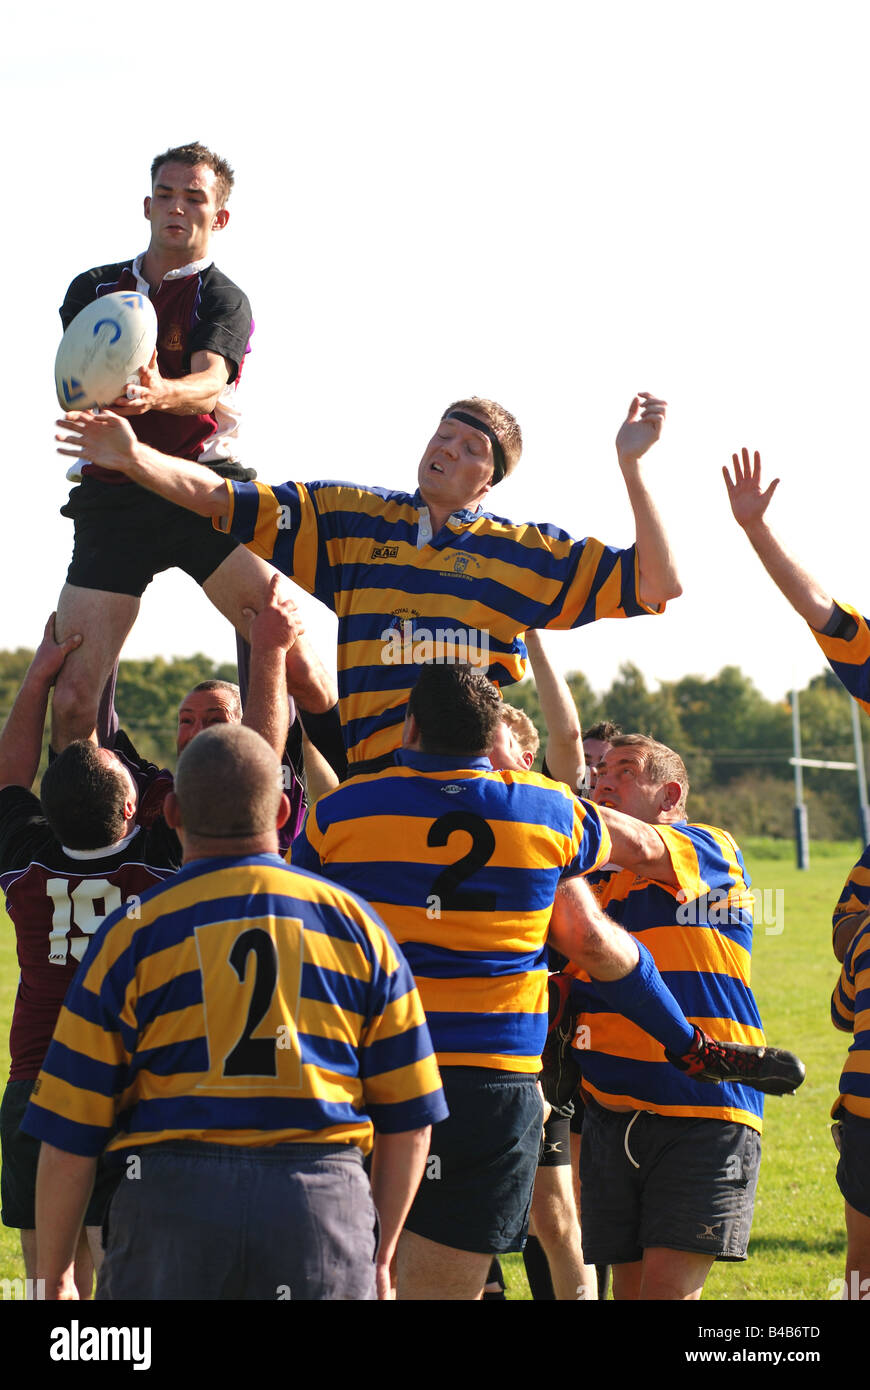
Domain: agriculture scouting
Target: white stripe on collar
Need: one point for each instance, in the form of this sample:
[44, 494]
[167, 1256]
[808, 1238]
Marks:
[180, 274]
[103, 853]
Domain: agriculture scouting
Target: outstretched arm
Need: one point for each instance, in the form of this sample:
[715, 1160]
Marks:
[749, 503]
[564, 753]
[108, 440]
[638, 846]
[658, 580]
[21, 739]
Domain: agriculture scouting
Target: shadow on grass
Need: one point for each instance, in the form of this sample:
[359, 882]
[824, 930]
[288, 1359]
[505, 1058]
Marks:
[806, 1245]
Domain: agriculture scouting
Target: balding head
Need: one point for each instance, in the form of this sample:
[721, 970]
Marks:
[228, 785]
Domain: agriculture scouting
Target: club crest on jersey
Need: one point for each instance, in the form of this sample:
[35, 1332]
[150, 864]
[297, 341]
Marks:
[173, 338]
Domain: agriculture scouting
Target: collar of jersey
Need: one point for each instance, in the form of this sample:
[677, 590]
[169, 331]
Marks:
[462, 515]
[437, 762]
[103, 853]
[181, 273]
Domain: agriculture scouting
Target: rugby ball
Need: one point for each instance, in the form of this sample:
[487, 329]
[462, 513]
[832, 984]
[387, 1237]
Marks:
[103, 347]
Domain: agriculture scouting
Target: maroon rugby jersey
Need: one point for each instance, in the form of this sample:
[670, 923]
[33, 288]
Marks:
[198, 310]
[56, 899]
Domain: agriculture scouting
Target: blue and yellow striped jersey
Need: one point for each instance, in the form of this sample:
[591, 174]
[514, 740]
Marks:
[466, 594]
[249, 1005]
[855, 896]
[463, 864]
[850, 1010]
[846, 646]
[700, 937]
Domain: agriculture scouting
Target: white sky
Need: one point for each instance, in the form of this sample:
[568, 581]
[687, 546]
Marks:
[552, 207]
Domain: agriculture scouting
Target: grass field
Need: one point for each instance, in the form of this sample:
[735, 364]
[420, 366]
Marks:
[798, 1241]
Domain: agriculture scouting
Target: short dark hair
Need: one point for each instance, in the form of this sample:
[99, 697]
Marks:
[228, 784]
[604, 731]
[83, 797]
[194, 154]
[456, 708]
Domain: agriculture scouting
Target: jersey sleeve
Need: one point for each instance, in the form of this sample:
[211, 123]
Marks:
[224, 323]
[282, 524]
[595, 581]
[705, 860]
[23, 828]
[591, 840]
[855, 896]
[845, 642]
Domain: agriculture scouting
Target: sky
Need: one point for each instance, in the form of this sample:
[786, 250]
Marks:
[552, 207]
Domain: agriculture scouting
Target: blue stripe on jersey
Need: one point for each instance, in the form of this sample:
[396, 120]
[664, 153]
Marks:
[87, 1072]
[706, 995]
[514, 1035]
[439, 963]
[178, 993]
[669, 1086]
[386, 1055]
[527, 890]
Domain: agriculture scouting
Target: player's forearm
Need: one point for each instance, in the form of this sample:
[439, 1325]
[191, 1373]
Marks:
[658, 579]
[565, 758]
[637, 846]
[804, 593]
[398, 1161]
[64, 1183]
[267, 710]
[197, 394]
[582, 932]
[21, 739]
[188, 485]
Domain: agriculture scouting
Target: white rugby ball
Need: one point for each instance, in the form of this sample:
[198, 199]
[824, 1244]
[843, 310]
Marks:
[103, 347]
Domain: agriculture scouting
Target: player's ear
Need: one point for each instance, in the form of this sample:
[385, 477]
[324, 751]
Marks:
[671, 795]
[172, 811]
[283, 811]
[147, 207]
[221, 218]
[528, 759]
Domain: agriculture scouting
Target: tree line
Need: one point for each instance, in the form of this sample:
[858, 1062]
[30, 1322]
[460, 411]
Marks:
[735, 742]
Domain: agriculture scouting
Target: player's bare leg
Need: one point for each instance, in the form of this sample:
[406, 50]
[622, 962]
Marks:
[672, 1275]
[104, 620]
[243, 581]
[554, 1217]
[857, 1252]
[427, 1270]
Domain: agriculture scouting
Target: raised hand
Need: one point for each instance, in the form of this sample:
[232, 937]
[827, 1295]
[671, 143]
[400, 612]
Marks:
[641, 427]
[102, 438]
[749, 501]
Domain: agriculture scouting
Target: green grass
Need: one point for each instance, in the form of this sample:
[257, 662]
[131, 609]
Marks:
[798, 1240]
